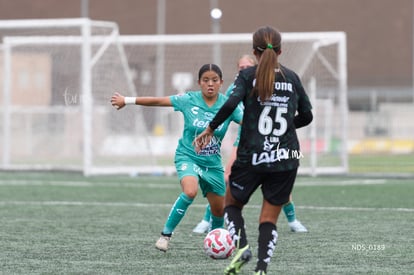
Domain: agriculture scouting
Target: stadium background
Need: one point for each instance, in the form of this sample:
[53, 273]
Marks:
[379, 46]
[64, 223]
[379, 32]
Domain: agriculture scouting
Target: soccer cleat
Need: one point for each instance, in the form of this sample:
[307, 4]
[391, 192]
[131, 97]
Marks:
[242, 256]
[260, 272]
[162, 243]
[202, 227]
[297, 226]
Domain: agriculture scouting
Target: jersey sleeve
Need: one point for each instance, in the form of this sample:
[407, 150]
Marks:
[225, 111]
[237, 140]
[229, 89]
[237, 115]
[179, 101]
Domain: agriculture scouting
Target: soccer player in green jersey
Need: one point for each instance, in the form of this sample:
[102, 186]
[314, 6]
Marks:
[246, 61]
[275, 105]
[194, 169]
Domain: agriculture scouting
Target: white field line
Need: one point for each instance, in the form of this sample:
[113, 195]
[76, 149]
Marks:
[152, 205]
[176, 185]
[87, 184]
[342, 182]
[44, 183]
[346, 182]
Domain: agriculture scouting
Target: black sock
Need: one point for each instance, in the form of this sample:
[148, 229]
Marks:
[267, 243]
[235, 224]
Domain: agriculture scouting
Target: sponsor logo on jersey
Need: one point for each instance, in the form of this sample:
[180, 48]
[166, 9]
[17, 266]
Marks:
[213, 148]
[280, 86]
[203, 124]
[283, 86]
[270, 156]
[194, 110]
[209, 116]
[274, 100]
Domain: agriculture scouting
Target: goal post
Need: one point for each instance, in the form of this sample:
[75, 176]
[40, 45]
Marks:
[69, 68]
[58, 76]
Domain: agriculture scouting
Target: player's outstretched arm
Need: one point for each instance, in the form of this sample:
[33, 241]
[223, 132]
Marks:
[119, 101]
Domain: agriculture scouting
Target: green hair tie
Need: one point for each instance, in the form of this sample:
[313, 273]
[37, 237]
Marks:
[269, 46]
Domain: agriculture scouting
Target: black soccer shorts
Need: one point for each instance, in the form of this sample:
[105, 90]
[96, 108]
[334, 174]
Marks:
[276, 186]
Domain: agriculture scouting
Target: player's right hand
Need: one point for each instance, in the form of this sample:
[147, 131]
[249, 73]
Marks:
[118, 101]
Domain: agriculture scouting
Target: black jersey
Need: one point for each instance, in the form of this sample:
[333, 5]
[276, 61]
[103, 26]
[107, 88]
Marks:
[268, 140]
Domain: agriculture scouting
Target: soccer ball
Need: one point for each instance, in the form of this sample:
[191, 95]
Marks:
[218, 244]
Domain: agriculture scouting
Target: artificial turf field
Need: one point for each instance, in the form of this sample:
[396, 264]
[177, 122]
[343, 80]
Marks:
[64, 223]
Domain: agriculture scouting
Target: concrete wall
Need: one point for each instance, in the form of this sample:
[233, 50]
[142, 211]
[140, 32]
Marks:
[380, 32]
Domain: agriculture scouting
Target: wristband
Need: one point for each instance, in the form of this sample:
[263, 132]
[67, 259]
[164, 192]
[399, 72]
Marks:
[129, 100]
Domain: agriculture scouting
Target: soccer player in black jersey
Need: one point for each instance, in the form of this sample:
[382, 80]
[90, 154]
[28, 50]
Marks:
[246, 61]
[275, 105]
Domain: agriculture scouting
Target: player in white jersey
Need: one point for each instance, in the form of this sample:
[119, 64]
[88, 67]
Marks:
[194, 169]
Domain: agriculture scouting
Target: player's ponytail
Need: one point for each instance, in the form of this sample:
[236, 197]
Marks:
[266, 44]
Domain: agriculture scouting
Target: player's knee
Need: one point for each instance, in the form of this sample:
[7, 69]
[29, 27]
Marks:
[191, 193]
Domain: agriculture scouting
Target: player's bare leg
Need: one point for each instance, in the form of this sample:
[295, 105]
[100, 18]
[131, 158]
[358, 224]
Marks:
[217, 210]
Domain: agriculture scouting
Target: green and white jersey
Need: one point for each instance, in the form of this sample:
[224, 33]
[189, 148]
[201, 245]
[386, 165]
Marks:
[197, 116]
[229, 91]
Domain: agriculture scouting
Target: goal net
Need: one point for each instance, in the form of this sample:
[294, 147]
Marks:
[58, 77]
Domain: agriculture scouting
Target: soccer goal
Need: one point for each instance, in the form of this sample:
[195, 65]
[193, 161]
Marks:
[58, 76]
